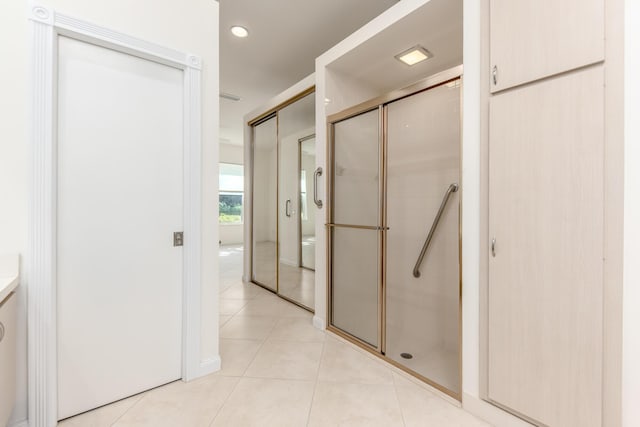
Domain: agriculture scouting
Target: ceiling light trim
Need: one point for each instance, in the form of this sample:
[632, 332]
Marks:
[414, 55]
[239, 31]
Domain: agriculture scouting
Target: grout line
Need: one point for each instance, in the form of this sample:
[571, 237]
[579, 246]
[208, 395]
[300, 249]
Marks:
[141, 396]
[263, 341]
[395, 391]
[315, 386]
[225, 402]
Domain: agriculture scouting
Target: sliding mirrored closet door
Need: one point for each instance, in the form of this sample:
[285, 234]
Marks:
[307, 168]
[265, 208]
[284, 212]
[296, 123]
[394, 229]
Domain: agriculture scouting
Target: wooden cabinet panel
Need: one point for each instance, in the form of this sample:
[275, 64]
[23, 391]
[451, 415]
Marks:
[532, 39]
[545, 293]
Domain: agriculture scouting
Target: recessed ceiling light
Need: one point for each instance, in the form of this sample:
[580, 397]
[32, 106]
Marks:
[414, 55]
[239, 31]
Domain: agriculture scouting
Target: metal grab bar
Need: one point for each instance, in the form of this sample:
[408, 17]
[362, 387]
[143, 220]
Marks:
[452, 189]
[316, 174]
[286, 208]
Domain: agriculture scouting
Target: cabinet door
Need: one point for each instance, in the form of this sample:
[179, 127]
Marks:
[546, 275]
[532, 39]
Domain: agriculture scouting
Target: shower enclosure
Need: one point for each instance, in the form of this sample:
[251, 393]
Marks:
[394, 235]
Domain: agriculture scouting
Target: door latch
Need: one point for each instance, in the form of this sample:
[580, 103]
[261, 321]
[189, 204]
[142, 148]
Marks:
[178, 238]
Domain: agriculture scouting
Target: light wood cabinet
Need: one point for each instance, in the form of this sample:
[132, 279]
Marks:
[545, 289]
[533, 39]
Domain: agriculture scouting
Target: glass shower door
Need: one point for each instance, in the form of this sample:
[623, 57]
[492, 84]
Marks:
[355, 230]
[422, 296]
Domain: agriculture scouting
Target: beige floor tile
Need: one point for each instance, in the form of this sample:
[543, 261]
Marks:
[224, 319]
[242, 291]
[248, 327]
[342, 404]
[229, 307]
[341, 363]
[237, 355]
[192, 404]
[102, 417]
[286, 360]
[273, 307]
[423, 408]
[266, 403]
[297, 329]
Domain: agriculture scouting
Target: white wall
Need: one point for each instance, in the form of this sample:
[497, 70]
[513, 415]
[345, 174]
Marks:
[189, 26]
[13, 164]
[631, 284]
[231, 234]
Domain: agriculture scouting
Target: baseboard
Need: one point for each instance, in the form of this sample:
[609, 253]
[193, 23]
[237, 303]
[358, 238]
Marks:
[23, 423]
[490, 413]
[319, 323]
[209, 366]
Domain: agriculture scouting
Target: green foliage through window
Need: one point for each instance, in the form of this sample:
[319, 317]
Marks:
[230, 201]
[230, 206]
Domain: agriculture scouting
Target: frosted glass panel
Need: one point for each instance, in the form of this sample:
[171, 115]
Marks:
[423, 160]
[296, 122]
[355, 172]
[355, 282]
[265, 165]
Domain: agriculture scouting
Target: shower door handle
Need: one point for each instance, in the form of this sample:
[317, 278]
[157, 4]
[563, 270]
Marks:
[316, 174]
[287, 206]
[452, 189]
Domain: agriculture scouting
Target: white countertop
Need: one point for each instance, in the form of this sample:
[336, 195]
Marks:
[9, 274]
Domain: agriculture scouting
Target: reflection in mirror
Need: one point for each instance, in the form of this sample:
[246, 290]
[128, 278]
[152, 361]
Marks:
[265, 183]
[296, 124]
[307, 208]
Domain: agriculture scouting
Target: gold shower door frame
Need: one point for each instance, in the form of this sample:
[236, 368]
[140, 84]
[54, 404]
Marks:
[380, 104]
[268, 115]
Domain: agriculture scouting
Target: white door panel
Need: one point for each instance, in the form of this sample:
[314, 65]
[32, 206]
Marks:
[120, 139]
[545, 300]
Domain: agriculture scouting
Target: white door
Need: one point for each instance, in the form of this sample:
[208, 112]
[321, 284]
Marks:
[120, 138]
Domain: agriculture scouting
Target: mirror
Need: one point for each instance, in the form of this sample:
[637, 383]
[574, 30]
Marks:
[265, 188]
[307, 162]
[296, 211]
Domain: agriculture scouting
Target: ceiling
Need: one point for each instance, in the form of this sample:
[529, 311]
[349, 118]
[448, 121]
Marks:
[437, 26]
[285, 37]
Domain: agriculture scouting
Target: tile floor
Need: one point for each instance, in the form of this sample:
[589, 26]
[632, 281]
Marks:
[278, 370]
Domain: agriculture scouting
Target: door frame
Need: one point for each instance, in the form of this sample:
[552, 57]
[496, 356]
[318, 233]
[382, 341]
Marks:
[46, 26]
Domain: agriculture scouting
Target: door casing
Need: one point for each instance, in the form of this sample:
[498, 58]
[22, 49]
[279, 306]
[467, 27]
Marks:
[46, 26]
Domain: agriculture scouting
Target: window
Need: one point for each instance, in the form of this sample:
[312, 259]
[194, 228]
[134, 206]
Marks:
[231, 198]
